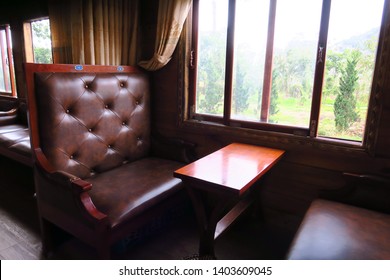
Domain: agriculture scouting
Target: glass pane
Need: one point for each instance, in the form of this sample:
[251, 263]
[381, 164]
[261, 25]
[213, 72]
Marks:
[41, 41]
[211, 56]
[350, 61]
[296, 38]
[5, 80]
[250, 44]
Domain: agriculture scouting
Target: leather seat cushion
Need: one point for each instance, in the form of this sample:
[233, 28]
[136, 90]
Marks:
[128, 190]
[13, 127]
[332, 230]
[22, 147]
[17, 138]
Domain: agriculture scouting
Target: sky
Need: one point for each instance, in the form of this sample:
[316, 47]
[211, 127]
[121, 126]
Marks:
[292, 16]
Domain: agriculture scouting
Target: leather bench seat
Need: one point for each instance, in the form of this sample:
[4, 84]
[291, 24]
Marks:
[12, 128]
[336, 231]
[16, 138]
[15, 135]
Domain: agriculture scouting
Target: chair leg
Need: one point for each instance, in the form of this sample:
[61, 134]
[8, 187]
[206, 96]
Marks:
[52, 238]
[48, 243]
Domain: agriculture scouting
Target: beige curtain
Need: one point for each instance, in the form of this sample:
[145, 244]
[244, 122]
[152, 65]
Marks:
[171, 17]
[97, 32]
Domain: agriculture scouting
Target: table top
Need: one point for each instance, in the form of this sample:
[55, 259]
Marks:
[233, 168]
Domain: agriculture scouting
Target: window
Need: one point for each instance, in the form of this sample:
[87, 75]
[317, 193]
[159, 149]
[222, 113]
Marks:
[7, 75]
[301, 67]
[38, 41]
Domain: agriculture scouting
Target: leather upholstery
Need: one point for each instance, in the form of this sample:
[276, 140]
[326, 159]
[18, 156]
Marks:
[97, 176]
[14, 134]
[150, 181]
[332, 230]
[16, 138]
[91, 123]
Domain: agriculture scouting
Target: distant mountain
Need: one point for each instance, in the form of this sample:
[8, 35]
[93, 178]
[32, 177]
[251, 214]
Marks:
[355, 41]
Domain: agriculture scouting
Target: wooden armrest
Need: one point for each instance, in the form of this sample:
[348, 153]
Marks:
[8, 117]
[72, 188]
[78, 185]
[11, 112]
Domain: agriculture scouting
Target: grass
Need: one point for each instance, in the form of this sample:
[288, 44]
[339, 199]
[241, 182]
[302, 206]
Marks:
[295, 114]
[327, 121]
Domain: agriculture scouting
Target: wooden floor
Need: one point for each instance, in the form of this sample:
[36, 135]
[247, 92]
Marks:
[19, 229]
[178, 239]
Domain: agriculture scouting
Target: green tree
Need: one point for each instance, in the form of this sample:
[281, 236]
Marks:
[333, 70]
[295, 71]
[42, 55]
[273, 109]
[241, 92]
[41, 29]
[211, 74]
[345, 103]
[41, 41]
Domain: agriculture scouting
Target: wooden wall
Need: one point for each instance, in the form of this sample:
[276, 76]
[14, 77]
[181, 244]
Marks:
[308, 166]
[289, 188]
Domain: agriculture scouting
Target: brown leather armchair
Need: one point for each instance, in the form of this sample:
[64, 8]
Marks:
[96, 175]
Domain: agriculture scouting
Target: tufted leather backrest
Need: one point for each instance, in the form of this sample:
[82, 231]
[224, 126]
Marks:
[92, 122]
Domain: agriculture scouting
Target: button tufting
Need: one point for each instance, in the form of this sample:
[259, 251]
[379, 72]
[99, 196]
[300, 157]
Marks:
[109, 146]
[86, 86]
[67, 111]
[122, 85]
[106, 106]
[71, 157]
[137, 102]
[123, 123]
[89, 129]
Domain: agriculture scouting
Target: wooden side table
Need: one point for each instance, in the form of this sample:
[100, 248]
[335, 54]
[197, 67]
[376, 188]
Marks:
[226, 176]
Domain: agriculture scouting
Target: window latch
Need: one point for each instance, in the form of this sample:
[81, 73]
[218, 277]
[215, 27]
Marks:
[313, 128]
[320, 58]
[192, 58]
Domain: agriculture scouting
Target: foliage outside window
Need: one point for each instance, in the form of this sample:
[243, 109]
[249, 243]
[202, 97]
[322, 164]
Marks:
[302, 66]
[7, 75]
[41, 41]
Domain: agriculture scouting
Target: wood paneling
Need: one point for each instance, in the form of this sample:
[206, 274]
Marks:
[307, 167]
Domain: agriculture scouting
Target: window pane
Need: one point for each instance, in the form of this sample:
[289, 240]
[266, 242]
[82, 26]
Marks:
[41, 41]
[211, 56]
[350, 61]
[5, 80]
[251, 29]
[296, 38]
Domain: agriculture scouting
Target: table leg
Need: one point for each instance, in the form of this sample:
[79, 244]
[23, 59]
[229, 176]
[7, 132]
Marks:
[208, 217]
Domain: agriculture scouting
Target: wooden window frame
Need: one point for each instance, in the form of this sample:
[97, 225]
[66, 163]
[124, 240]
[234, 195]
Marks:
[8, 53]
[225, 119]
[28, 39]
